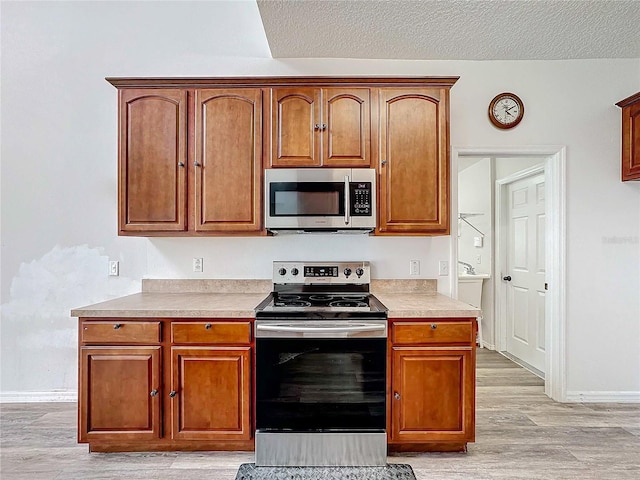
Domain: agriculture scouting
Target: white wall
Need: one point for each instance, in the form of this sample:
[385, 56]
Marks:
[475, 196]
[59, 151]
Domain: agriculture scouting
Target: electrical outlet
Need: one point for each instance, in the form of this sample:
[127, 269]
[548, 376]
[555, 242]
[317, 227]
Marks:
[114, 268]
[198, 265]
[414, 267]
[443, 268]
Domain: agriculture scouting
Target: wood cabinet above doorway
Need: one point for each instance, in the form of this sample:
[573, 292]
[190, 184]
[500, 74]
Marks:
[630, 137]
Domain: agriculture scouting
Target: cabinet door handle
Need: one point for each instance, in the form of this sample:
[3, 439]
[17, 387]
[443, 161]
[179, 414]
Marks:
[384, 162]
[323, 126]
[172, 393]
[434, 326]
[196, 164]
[317, 126]
[181, 164]
[208, 326]
[396, 395]
[154, 392]
[117, 326]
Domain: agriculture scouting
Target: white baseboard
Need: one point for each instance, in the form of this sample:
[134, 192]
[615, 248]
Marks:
[488, 346]
[602, 397]
[32, 397]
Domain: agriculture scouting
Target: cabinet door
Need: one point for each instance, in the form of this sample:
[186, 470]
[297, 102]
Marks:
[210, 393]
[631, 142]
[296, 128]
[414, 166]
[119, 393]
[152, 160]
[346, 127]
[228, 165]
[432, 395]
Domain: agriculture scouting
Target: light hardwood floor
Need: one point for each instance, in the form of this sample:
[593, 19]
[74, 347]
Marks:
[520, 434]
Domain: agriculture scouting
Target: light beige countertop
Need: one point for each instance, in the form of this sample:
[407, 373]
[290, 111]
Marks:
[175, 305]
[238, 299]
[418, 305]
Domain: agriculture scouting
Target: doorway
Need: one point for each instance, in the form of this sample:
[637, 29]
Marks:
[551, 161]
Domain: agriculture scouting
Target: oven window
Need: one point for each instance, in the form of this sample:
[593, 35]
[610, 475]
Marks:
[306, 199]
[320, 384]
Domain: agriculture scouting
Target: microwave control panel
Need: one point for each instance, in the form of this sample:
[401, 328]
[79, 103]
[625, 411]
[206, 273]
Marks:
[360, 199]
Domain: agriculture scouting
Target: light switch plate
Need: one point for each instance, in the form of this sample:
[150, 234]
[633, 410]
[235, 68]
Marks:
[443, 268]
[414, 267]
[198, 265]
[114, 268]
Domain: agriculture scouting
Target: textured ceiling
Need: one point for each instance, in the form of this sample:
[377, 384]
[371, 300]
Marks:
[452, 29]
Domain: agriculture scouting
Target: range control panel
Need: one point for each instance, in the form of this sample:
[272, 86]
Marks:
[321, 272]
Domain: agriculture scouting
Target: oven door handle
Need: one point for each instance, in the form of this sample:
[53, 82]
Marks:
[300, 329]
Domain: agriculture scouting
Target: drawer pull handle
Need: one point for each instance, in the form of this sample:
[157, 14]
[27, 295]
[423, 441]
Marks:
[154, 392]
[208, 326]
[117, 326]
[396, 395]
[434, 326]
[172, 393]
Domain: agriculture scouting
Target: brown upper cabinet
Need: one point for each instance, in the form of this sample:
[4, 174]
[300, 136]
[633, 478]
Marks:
[214, 153]
[630, 137]
[414, 161]
[315, 127]
[153, 155]
[228, 160]
[192, 150]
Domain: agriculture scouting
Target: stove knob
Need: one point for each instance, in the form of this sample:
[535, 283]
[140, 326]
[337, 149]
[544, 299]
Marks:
[282, 271]
[359, 271]
[294, 271]
[347, 272]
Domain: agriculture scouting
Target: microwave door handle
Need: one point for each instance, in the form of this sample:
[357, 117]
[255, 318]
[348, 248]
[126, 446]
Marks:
[347, 208]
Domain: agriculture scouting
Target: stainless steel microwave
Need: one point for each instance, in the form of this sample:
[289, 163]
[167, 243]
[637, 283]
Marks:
[320, 199]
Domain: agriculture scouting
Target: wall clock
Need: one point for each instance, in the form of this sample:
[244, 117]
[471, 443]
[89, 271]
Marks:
[506, 110]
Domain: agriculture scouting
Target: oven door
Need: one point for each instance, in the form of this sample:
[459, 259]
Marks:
[320, 392]
[331, 379]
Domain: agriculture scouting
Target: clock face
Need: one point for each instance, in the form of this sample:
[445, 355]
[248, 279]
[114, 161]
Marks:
[506, 110]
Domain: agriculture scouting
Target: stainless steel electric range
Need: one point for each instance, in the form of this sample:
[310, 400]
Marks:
[321, 367]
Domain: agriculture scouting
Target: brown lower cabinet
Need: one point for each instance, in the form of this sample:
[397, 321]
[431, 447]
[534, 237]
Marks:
[178, 384]
[165, 384]
[208, 400]
[119, 393]
[431, 396]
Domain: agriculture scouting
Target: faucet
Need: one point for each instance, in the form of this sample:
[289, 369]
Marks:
[468, 268]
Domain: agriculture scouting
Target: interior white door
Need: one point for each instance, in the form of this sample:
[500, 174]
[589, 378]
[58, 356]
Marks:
[525, 273]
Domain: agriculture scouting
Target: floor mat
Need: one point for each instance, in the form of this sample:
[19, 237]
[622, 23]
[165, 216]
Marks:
[393, 471]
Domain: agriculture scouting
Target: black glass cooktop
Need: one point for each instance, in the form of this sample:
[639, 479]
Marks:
[321, 305]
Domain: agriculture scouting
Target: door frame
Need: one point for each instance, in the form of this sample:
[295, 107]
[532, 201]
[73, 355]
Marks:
[500, 260]
[555, 251]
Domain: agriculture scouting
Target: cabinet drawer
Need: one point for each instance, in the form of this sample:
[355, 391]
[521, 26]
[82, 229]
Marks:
[432, 332]
[120, 332]
[211, 332]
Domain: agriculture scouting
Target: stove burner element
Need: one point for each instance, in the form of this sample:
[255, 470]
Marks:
[320, 298]
[294, 303]
[354, 298]
[347, 303]
[286, 297]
